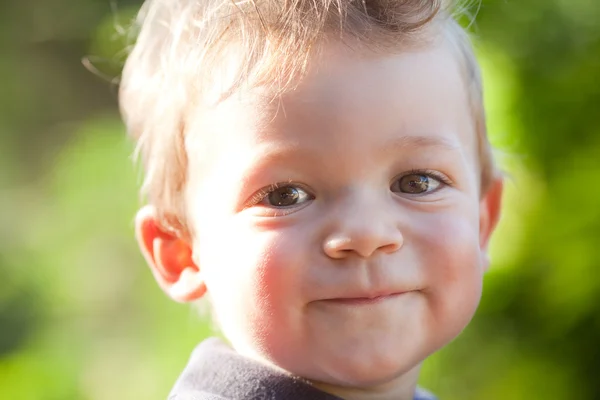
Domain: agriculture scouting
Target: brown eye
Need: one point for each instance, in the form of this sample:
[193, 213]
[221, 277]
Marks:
[286, 196]
[415, 184]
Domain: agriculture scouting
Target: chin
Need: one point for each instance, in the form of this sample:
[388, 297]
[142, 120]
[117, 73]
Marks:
[374, 379]
[365, 372]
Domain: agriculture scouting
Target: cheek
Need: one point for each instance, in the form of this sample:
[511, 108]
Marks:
[233, 263]
[228, 258]
[252, 279]
[451, 256]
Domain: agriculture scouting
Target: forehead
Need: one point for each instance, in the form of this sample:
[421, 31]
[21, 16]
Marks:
[345, 92]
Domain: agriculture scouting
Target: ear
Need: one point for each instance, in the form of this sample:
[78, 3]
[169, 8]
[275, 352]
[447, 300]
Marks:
[169, 258]
[489, 214]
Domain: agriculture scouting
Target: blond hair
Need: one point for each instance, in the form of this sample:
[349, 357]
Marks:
[181, 43]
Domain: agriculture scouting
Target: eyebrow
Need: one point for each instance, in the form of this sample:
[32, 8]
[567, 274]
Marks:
[273, 155]
[407, 142]
[287, 152]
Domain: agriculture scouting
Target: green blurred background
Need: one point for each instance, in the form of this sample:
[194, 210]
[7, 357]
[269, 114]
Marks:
[81, 317]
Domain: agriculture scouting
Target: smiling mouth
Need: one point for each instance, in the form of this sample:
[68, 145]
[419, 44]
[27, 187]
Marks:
[357, 301]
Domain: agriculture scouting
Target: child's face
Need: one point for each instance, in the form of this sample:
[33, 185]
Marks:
[338, 229]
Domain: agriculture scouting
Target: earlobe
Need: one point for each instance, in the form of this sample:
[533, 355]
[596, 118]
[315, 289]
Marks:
[489, 215]
[169, 258]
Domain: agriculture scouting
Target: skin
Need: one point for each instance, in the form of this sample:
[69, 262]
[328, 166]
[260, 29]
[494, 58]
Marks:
[354, 282]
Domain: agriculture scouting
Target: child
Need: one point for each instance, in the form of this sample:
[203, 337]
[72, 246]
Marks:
[319, 170]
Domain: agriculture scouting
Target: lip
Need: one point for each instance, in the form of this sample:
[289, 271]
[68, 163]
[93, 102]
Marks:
[364, 300]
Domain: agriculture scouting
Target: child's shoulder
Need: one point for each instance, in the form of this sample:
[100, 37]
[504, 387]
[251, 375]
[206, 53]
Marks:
[422, 394]
[195, 396]
[216, 372]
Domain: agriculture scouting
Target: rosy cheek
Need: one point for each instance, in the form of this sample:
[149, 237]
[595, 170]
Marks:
[279, 268]
[449, 245]
[246, 267]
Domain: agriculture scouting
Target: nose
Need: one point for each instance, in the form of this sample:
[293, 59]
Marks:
[363, 231]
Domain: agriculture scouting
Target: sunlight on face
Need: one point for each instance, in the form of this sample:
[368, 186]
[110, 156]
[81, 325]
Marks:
[337, 227]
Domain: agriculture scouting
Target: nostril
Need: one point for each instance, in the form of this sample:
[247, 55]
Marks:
[390, 248]
[338, 247]
[362, 243]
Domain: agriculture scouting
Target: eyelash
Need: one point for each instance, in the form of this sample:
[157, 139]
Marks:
[430, 173]
[262, 193]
